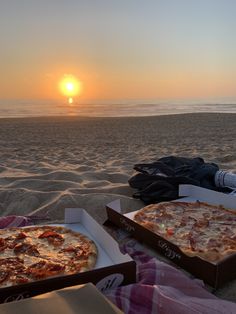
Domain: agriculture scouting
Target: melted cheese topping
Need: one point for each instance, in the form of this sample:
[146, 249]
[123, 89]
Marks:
[33, 253]
[196, 228]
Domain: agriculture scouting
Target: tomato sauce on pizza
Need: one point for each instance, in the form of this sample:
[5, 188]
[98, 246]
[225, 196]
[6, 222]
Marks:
[34, 253]
[198, 229]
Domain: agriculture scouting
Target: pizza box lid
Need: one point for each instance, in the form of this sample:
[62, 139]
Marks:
[81, 299]
[77, 219]
[193, 193]
[112, 268]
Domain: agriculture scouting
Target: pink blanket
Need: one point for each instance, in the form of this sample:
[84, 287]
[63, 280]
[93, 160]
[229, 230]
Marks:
[20, 221]
[163, 289]
[14, 221]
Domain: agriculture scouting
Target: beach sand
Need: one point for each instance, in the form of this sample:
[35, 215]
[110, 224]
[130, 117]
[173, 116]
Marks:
[47, 164]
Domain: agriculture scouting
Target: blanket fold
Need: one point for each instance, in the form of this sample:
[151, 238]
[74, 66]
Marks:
[163, 289]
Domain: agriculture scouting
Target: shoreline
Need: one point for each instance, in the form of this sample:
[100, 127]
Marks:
[59, 117]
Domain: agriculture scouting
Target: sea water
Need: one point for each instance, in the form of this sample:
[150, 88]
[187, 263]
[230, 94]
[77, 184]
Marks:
[129, 108]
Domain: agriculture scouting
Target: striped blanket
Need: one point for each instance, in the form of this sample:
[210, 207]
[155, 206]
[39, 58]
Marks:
[163, 289]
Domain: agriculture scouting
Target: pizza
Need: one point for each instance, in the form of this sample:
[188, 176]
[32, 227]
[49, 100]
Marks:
[198, 229]
[35, 253]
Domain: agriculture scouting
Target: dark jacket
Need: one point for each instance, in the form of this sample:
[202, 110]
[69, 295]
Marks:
[159, 181]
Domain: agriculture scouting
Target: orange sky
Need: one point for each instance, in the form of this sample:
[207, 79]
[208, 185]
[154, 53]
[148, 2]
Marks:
[118, 51]
[101, 85]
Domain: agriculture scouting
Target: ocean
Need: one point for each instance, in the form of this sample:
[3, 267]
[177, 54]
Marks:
[46, 108]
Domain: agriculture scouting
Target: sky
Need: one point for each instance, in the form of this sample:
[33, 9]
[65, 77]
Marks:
[126, 49]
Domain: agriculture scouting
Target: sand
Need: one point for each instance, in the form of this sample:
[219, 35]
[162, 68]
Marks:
[47, 164]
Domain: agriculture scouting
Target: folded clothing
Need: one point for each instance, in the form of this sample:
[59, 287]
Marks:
[159, 181]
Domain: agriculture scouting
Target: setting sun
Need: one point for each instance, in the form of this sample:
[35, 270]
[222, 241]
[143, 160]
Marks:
[70, 87]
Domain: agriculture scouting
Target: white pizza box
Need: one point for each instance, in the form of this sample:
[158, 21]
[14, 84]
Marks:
[112, 268]
[80, 299]
[192, 193]
[215, 274]
[77, 219]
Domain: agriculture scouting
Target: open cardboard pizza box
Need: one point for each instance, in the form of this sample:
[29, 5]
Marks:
[112, 268]
[81, 299]
[214, 274]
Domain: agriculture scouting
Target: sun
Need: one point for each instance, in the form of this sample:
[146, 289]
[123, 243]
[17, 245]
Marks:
[70, 87]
